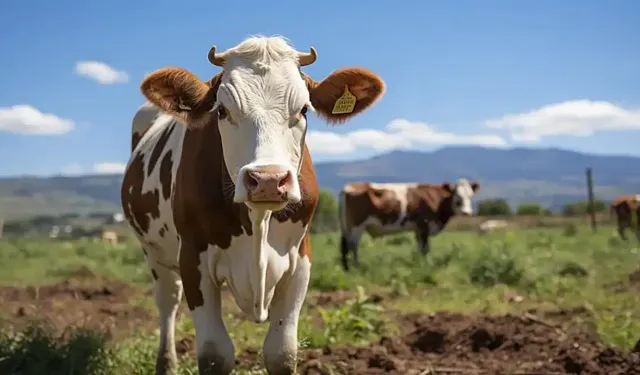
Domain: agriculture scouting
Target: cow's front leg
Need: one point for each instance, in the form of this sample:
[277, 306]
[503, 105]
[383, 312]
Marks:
[281, 344]
[167, 290]
[422, 239]
[621, 228]
[214, 348]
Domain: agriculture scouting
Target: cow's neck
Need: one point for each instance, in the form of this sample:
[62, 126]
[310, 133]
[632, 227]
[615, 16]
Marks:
[441, 217]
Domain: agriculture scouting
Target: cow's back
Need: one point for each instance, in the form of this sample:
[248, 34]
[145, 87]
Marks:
[149, 180]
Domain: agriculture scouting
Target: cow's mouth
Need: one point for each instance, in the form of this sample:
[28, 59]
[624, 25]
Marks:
[267, 205]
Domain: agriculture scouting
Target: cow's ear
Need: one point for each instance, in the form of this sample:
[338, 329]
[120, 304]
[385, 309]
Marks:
[345, 93]
[448, 187]
[475, 186]
[181, 94]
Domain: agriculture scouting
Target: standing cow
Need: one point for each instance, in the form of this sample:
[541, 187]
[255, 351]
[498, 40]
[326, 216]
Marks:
[381, 209]
[624, 208]
[220, 187]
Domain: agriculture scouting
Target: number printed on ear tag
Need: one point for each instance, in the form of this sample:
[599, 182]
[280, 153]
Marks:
[345, 104]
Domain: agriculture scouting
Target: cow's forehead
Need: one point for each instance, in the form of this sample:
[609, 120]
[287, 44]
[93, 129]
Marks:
[263, 69]
[246, 83]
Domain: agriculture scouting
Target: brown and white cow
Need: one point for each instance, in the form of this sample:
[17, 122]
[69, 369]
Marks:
[381, 209]
[624, 207]
[220, 188]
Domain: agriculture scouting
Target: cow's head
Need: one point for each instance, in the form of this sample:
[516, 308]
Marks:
[260, 102]
[462, 193]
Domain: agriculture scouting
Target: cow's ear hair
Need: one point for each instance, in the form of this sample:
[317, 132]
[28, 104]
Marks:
[448, 187]
[475, 186]
[345, 93]
[181, 94]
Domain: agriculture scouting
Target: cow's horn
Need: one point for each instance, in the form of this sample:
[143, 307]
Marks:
[307, 58]
[217, 60]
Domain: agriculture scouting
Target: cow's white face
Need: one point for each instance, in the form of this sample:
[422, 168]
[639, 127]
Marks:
[262, 113]
[463, 196]
[259, 102]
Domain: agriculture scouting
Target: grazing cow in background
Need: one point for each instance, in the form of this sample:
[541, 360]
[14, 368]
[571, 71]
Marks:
[110, 237]
[220, 187]
[381, 209]
[624, 208]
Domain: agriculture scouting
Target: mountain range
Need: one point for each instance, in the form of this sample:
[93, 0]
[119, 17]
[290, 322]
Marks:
[551, 177]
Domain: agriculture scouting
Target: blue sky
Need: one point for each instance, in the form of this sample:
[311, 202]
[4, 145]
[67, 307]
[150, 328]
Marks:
[543, 73]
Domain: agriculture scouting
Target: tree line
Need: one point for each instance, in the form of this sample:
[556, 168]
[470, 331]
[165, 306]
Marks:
[326, 214]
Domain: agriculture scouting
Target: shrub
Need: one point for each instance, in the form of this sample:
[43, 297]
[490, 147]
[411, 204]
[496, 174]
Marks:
[494, 265]
[494, 207]
[571, 268]
[530, 209]
[570, 230]
[357, 319]
[580, 208]
[325, 218]
[37, 351]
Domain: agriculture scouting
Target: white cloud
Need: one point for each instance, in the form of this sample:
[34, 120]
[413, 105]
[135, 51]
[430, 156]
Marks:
[25, 119]
[399, 133]
[73, 169]
[579, 118]
[109, 168]
[101, 72]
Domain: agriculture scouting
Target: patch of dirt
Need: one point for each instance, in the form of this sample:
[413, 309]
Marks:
[448, 343]
[83, 299]
[338, 297]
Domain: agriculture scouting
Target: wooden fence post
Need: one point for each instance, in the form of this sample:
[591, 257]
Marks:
[591, 205]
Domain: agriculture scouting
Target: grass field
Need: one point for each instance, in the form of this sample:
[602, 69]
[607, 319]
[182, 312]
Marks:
[478, 303]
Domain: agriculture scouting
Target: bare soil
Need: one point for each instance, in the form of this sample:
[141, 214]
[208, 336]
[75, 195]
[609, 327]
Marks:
[442, 343]
[447, 343]
[83, 299]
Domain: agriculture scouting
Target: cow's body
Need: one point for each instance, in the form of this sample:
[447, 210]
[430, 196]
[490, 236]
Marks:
[110, 237]
[201, 226]
[385, 208]
[624, 208]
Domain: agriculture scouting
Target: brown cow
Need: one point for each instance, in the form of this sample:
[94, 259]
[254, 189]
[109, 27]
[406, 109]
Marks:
[381, 209]
[624, 207]
[220, 188]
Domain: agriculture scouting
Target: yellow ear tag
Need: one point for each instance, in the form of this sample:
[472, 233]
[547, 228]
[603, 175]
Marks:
[345, 104]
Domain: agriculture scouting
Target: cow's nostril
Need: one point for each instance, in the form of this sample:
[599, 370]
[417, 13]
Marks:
[250, 181]
[285, 180]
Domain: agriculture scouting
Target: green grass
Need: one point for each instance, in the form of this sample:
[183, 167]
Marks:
[548, 268]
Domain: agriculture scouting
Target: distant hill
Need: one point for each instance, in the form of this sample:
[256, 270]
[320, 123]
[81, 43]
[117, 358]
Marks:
[551, 177]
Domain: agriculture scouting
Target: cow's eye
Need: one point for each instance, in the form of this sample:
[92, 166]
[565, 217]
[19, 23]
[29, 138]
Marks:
[304, 110]
[222, 112]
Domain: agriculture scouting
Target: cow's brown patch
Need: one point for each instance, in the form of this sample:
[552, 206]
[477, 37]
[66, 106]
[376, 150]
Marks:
[365, 201]
[166, 165]
[160, 146]
[430, 202]
[138, 207]
[305, 247]
[135, 139]
[154, 274]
